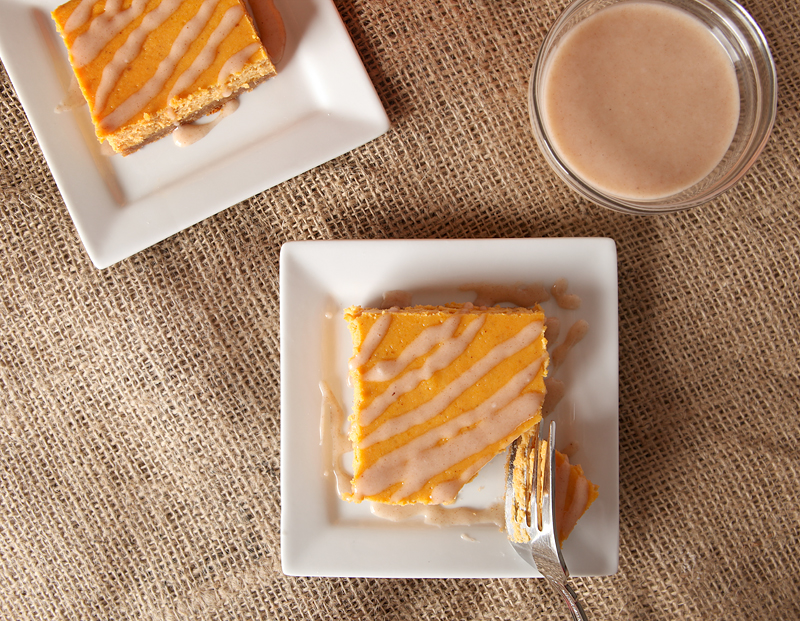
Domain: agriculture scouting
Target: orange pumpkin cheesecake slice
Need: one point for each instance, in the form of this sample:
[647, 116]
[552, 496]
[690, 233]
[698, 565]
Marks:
[439, 391]
[147, 66]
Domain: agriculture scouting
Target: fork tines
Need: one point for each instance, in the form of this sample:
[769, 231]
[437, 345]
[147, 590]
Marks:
[530, 474]
[530, 512]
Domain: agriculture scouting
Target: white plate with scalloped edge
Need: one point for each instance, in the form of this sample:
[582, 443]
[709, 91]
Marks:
[321, 535]
[319, 106]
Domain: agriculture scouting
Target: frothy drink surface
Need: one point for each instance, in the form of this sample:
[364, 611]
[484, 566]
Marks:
[641, 100]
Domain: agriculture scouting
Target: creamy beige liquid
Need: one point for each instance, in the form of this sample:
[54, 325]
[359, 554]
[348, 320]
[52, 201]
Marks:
[641, 100]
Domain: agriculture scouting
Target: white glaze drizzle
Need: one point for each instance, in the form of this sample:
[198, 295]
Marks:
[80, 15]
[86, 46]
[209, 52]
[371, 341]
[129, 50]
[188, 133]
[133, 104]
[447, 351]
[421, 345]
[334, 442]
[436, 406]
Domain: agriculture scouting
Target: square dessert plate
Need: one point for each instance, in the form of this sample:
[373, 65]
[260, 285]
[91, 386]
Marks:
[319, 106]
[322, 535]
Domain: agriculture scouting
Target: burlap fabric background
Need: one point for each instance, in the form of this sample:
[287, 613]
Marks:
[139, 422]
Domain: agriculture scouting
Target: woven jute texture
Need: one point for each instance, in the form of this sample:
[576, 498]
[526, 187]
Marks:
[139, 405]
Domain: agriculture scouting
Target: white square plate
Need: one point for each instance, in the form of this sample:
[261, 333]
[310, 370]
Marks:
[321, 105]
[322, 535]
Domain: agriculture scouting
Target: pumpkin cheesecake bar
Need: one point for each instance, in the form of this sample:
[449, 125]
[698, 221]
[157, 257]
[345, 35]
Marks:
[147, 66]
[439, 391]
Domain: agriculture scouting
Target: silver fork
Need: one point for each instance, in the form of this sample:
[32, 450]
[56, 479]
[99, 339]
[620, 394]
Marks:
[530, 512]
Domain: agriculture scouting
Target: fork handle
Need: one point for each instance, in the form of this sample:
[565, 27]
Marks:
[570, 599]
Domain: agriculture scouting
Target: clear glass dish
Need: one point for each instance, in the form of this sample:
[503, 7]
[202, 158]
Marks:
[749, 52]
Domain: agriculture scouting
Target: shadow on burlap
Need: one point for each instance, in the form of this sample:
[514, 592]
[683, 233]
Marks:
[139, 428]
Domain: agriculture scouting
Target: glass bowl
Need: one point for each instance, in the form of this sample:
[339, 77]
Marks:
[747, 47]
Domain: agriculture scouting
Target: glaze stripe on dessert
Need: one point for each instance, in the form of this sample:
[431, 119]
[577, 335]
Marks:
[439, 391]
